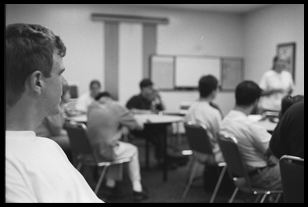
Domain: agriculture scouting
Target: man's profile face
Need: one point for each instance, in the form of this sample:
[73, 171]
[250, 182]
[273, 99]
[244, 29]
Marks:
[52, 91]
[147, 92]
[95, 89]
[280, 65]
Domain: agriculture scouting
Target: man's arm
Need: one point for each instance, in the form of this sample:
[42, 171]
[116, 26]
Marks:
[127, 119]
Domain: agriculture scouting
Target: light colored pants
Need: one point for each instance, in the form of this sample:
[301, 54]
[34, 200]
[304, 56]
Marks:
[126, 150]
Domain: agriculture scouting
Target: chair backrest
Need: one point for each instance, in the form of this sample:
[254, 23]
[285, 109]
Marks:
[198, 139]
[292, 178]
[77, 133]
[233, 158]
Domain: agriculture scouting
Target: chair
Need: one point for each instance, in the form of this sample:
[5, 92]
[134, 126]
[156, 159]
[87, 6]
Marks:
[198, 141]
[292, 177]
[83, 152]
[238, 171]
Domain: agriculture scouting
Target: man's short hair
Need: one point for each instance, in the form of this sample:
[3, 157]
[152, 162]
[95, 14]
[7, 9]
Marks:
[145, 83]
[102, 94]
[246, 93]
[207, 84]
[93, 82]
[28, 48]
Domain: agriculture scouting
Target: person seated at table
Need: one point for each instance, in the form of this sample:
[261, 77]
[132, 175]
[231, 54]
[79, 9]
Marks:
[84, 101]
[149, 101]
[204, 114]
[106, 118]
[52, 126]
[288, 136]
[253, 140]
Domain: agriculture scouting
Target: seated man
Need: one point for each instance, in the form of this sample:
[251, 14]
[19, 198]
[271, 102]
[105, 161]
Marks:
[147, 100]
[84, 101]
[36, 168]
[105, 120]
[288, 136]
[52, 126]
[204, 114]
[253, 140]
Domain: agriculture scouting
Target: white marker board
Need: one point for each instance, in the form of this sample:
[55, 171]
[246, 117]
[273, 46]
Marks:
[162, 72]
[188, 70]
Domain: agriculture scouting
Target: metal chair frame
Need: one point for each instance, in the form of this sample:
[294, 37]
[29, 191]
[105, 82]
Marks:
[239, 173]
[85, 154]
[200, 143]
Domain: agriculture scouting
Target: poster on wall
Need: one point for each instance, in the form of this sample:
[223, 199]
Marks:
[286, 51]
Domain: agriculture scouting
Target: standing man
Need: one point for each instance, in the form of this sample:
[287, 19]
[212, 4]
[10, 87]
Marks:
[86, 99]
[37, 169]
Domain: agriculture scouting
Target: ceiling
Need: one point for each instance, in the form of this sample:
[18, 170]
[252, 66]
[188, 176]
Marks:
[233, 8]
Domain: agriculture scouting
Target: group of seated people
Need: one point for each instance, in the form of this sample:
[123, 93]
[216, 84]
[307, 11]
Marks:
[37, 170]
[260, 150]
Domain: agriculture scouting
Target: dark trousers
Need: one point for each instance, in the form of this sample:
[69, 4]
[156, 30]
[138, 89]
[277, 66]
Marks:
[155, 135]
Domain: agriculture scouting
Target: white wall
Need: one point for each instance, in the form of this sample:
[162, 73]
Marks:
[267, 27]
[130, 39]
[190, 33]
[253, 36]
[82, 37]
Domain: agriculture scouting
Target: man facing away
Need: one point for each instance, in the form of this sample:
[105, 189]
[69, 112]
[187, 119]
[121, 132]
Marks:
[37, 169]
[253, 140]
[106, 118]
[203, 113]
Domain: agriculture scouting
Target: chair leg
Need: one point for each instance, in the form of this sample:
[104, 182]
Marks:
[218, 184]
[277, 198]
[233, 195]
[257, 198]
[263, 197]
[100, 180]
[190, 179]
[79, 166]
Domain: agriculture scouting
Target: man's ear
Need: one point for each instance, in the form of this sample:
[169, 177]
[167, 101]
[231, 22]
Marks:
[36, 82]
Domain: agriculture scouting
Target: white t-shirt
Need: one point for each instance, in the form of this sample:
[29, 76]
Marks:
[203, 114]
[83, 102]
[253, 140]
[271, 80]
[37, 170]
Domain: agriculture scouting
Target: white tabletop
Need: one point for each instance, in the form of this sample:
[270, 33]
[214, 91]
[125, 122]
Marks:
[141, 118]
[266, 123]
[157, 118]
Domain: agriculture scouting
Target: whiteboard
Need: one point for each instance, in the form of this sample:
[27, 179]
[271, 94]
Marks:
[162, 71]
[189, 70]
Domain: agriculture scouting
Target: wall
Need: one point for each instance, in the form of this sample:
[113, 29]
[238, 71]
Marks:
[190, 33]
[267, 27]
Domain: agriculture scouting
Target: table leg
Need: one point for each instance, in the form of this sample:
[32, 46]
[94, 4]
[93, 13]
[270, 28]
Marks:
[165, 168]
[147, 153]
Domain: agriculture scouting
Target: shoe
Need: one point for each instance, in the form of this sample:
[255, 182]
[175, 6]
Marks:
[140, 196]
